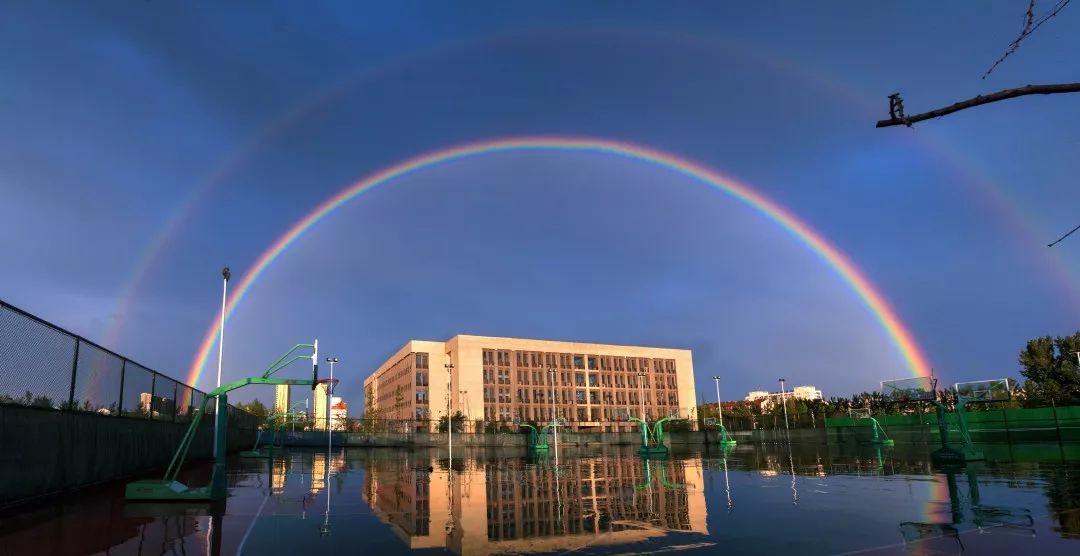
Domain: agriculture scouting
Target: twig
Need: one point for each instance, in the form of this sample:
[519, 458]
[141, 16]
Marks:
[980, 100]
[1063, 237]
[1030, 25]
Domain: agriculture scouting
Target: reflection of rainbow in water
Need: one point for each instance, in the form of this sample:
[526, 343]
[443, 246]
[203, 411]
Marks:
[874, 301]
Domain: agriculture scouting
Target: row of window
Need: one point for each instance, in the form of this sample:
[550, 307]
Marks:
[503, 376]
[540, 396]
[526, 359]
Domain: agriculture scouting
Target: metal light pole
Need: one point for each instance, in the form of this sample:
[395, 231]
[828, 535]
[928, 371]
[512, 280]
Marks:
[641, 384]
[449, 416]
[719, 409]
[225, 274]
[783, 399]
[329, 438]
[554, 426]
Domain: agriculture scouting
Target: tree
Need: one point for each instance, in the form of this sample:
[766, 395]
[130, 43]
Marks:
[399, 400]
[256, 408]
[1051, 369]
[458, 420]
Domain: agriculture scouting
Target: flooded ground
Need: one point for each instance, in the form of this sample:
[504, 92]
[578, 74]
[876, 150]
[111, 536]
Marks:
[754, 499]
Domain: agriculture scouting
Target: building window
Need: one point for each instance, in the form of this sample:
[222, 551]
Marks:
[592, 379]
[579, 362]
[580, 396]
[421, 360]
[579, 379]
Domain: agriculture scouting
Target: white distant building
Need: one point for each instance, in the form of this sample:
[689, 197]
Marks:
[339, 414]
[767, 399]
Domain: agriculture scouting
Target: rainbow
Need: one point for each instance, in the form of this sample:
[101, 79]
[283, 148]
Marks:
[890, 323]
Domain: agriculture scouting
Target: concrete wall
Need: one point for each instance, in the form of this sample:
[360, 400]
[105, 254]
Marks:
[45, 452]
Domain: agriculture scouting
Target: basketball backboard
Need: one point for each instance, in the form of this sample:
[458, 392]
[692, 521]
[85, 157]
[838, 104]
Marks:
[863, 413]
[710, 421]
[985, 391]
[918, 389]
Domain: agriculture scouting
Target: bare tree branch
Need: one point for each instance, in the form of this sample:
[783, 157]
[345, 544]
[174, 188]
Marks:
[1063, 237]
[1030, 25]
[898, 117]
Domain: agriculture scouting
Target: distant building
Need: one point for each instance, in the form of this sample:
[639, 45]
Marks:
[319, 416]
[767, 399]
[281, 398]
[339, 414]
[156, 406]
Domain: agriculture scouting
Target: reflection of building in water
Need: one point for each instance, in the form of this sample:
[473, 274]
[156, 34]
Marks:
[318, 469]
[506, 506]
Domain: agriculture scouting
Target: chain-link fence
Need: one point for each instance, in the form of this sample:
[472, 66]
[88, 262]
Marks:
[43, 365]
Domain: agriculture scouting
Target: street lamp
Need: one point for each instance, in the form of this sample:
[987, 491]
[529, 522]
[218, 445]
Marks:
[331, 361]
[783, 400]
[449, 416]
[554, 427]
[641, 383]
[719, 409]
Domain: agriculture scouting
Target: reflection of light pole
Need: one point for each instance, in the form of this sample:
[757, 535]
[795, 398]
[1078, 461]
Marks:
[718, 408]
[449, 416]
[783, 399]
[331, 361]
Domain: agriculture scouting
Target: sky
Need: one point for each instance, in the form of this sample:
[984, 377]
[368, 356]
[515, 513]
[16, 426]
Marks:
[146, 145]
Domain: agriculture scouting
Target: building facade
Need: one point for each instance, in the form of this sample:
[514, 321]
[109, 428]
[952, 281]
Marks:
[592, 387]
[767, 399]
[281, 398]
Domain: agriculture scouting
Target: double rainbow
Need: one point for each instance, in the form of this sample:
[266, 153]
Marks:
[898, 334]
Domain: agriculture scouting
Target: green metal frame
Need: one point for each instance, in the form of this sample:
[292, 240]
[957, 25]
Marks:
[535, 442]
[652, 439]
[168, 488]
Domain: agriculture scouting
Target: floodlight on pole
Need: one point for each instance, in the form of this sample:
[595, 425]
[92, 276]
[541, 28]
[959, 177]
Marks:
[783, 400]
[449, 416]
[329, 399]
[719, 409]
[225, 275]
[641, 382]
[554, 426]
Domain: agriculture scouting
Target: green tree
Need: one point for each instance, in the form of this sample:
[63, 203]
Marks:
[1050, 368]
[256, 408]
[458, 420]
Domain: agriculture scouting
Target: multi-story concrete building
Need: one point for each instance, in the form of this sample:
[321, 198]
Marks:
[591, 386]
[281, 398]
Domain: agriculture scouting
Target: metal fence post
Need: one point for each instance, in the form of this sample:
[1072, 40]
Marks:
[175, 402]
[74, 370]
[120, 401]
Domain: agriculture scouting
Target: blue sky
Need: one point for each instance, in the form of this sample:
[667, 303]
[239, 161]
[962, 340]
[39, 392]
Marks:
[118, 115]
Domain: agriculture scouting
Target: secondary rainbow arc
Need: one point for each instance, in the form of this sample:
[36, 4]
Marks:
[897, 333]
